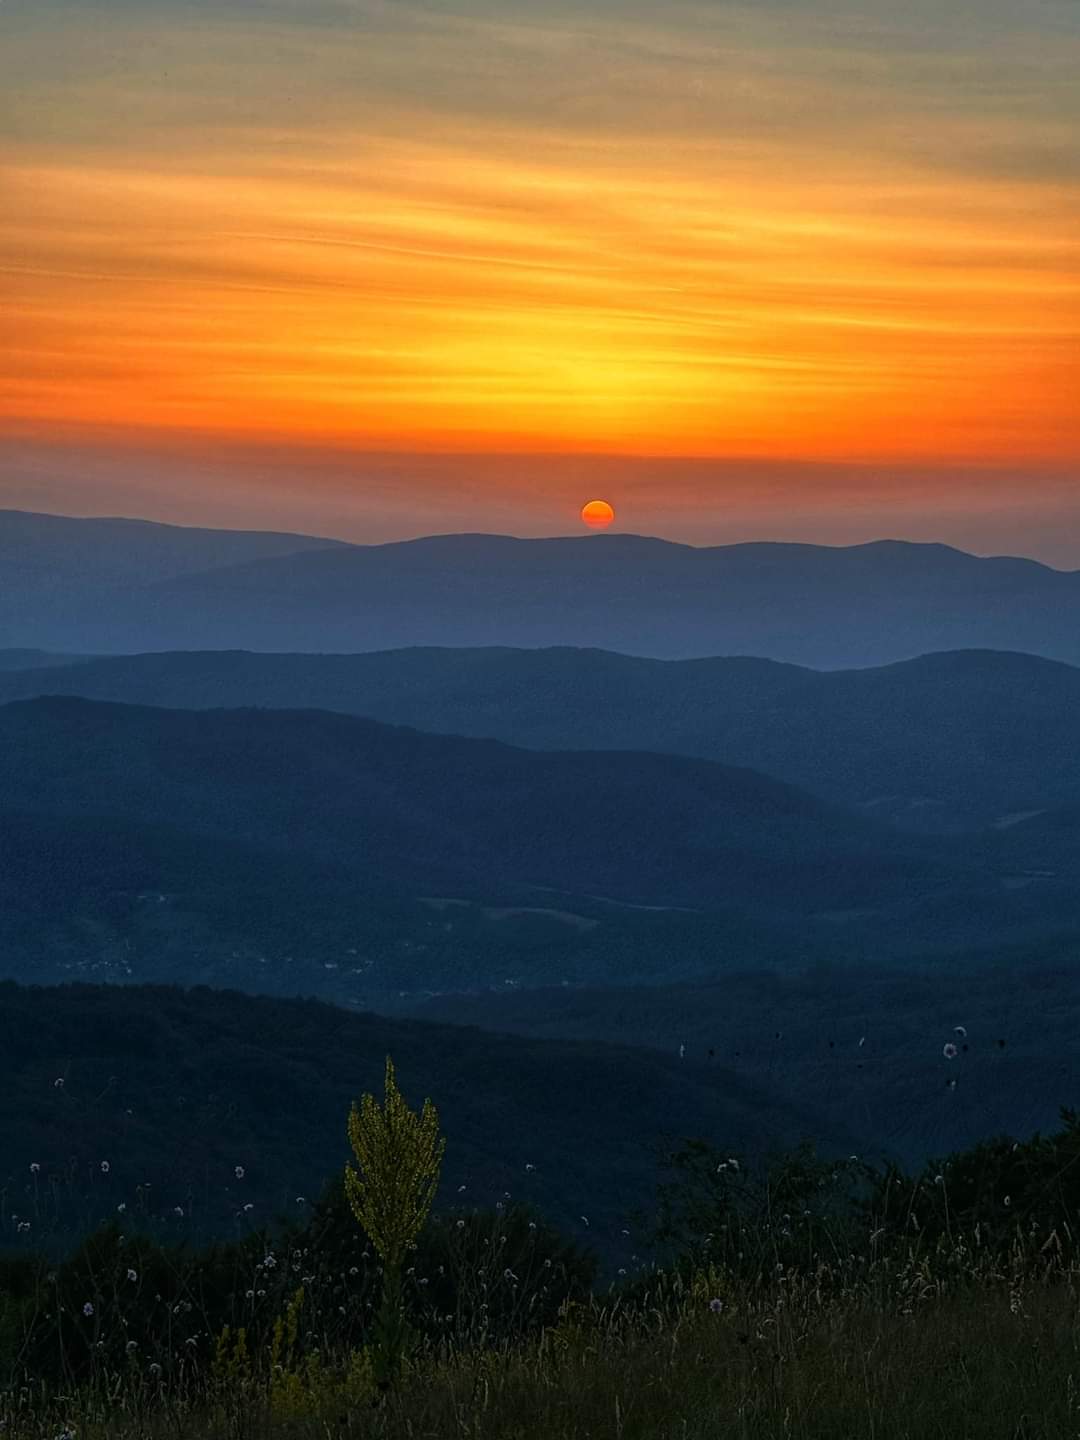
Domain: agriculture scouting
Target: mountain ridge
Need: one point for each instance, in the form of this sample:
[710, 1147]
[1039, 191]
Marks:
[827, 606]
[979, 734]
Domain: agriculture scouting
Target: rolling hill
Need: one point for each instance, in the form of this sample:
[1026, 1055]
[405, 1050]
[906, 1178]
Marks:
[826, 607]
[965, 738]
[861, 1044]
[63, 574]
[413, 813]
[174, 1090]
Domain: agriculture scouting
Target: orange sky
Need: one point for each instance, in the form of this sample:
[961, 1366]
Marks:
[786, 233]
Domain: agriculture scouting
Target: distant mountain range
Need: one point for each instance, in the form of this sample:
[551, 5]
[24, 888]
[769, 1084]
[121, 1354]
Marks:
[967, 738]
[104, 586]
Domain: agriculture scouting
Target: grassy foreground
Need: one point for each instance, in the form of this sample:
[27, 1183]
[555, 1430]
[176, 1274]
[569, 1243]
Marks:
[893, 1355]
[813, 1300]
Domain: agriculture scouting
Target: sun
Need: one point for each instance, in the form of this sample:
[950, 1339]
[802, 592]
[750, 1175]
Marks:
[597, 514]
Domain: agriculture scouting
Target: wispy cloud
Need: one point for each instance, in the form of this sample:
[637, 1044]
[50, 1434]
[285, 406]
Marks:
[787, 229]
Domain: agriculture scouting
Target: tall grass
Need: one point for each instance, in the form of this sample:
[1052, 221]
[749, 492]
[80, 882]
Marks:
[806, 1299]
[954, 1341]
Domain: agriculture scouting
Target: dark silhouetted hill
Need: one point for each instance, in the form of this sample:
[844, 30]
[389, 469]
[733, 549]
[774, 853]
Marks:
[862, 1045]
[175, 1090]
[439, 814]
[964, 738]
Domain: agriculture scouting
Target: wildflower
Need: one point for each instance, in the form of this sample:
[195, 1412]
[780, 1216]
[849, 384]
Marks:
[178, 1210]
[716, 1305]
[133, 1276]
[104, 1167]
[35, 1168]
[959, 1030]
[939, 1179]
[88, 1309]
[249, 1294]
[239, 1172]
[121, 1207]
[249, 1206]
[23, 1227]
[155, 1369]
[58, 1083]
[461, 1224]
[1008, 1200]
[301, 1199]
[585, 1218]
[949, 1051]
[733, 1164]
[529, 1169]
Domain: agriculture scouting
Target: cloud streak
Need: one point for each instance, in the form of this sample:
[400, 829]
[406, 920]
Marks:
[817, 231]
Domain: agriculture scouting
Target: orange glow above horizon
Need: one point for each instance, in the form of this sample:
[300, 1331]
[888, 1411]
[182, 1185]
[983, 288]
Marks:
[535, 288]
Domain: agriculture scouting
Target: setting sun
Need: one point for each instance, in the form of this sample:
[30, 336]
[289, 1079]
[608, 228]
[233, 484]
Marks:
[597, 514]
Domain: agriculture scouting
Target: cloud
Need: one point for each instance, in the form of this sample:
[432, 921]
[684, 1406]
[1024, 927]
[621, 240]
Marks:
[788, 228]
